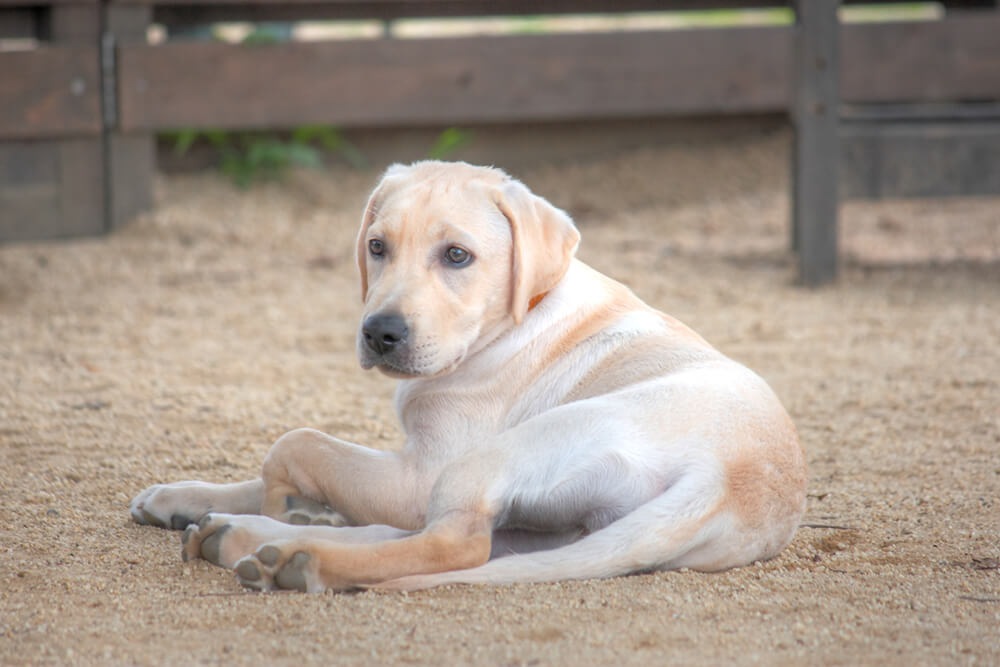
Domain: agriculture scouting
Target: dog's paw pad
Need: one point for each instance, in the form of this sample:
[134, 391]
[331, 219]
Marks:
[269, 555]
[293, 576]
[248, 572]
[265, 571]
[211, 545]
[204, 540]
[302, 511]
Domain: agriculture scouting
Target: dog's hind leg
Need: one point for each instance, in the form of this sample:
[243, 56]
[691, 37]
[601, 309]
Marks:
[680, 528]
[456, 547]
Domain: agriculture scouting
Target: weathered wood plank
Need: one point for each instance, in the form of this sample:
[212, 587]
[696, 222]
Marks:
[955, 112]
[72, 24]
[957, 58]
[50, 189]
[382, 82]
[55, 92]
[25, 164]
[816, 151]
[52, 184]
[920, 159]
[82, 182]
[18, 22]
[533, 77]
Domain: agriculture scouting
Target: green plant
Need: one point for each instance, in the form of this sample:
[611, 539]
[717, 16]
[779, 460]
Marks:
[264, 157]
[449, 141]
[329, 139]
[247, 157]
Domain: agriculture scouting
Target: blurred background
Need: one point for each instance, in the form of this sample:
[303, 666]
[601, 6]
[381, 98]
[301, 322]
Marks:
[879, 100]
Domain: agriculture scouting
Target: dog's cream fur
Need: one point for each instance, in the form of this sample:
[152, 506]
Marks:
[556, 426]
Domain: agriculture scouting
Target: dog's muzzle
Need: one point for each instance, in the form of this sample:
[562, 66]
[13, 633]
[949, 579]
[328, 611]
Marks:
[384, 333]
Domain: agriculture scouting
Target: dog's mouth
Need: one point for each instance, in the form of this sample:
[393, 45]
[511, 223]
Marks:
[392, 370]
[401, 369]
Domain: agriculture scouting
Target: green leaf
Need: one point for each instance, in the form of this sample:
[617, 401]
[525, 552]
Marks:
[448, 142]
[220, 139]
[183, 140]
[303, 156]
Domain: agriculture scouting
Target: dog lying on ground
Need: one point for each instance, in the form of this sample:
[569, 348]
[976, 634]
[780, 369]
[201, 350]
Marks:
[556, 426]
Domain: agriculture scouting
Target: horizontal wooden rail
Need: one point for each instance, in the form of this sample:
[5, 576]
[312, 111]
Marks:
[930, 158]
[539, 77]
[949, 60]
[509, 78]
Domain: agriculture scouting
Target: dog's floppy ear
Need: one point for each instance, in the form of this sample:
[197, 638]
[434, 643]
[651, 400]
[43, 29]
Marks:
[392, 174]
[544, 242]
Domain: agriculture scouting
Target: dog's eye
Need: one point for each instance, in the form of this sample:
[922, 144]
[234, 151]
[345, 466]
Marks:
[376, 247]
[457, 256]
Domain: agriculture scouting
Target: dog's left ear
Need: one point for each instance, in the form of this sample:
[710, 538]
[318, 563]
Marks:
[371, 211]
[544, 243]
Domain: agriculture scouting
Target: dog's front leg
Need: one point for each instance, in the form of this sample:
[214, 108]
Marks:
[268, 556]
[307, 473]
[456, 541]
[179, 504]
[309, 477]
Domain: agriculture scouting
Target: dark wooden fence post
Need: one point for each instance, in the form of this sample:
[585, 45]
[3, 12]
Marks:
[130, 156]
[50, 144]
[815, 111]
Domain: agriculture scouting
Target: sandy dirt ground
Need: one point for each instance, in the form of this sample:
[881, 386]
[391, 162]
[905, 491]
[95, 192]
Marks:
[183, 345]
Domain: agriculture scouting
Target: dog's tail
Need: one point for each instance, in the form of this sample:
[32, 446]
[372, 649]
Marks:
[660, 535]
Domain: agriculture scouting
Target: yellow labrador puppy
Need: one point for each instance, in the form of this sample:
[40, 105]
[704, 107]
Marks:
[556, 426]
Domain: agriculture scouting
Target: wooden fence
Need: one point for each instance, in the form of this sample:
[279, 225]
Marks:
[885, 108]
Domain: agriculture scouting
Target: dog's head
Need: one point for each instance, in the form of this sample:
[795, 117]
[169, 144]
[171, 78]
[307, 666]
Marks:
[450, 256]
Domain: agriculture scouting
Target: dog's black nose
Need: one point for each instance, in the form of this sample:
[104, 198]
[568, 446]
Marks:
[384, 331]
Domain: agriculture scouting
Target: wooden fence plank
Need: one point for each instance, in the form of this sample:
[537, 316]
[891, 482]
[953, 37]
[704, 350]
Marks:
[509, 78]
[56, 92]
[956, 58]
[920, 159]
[538, 77]
[51, 189]
[17, 22]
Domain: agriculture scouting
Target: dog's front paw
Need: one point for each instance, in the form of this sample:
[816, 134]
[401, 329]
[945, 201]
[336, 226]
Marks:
[205, 540]
[280, 567]
[223, 539]
[172, 506]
